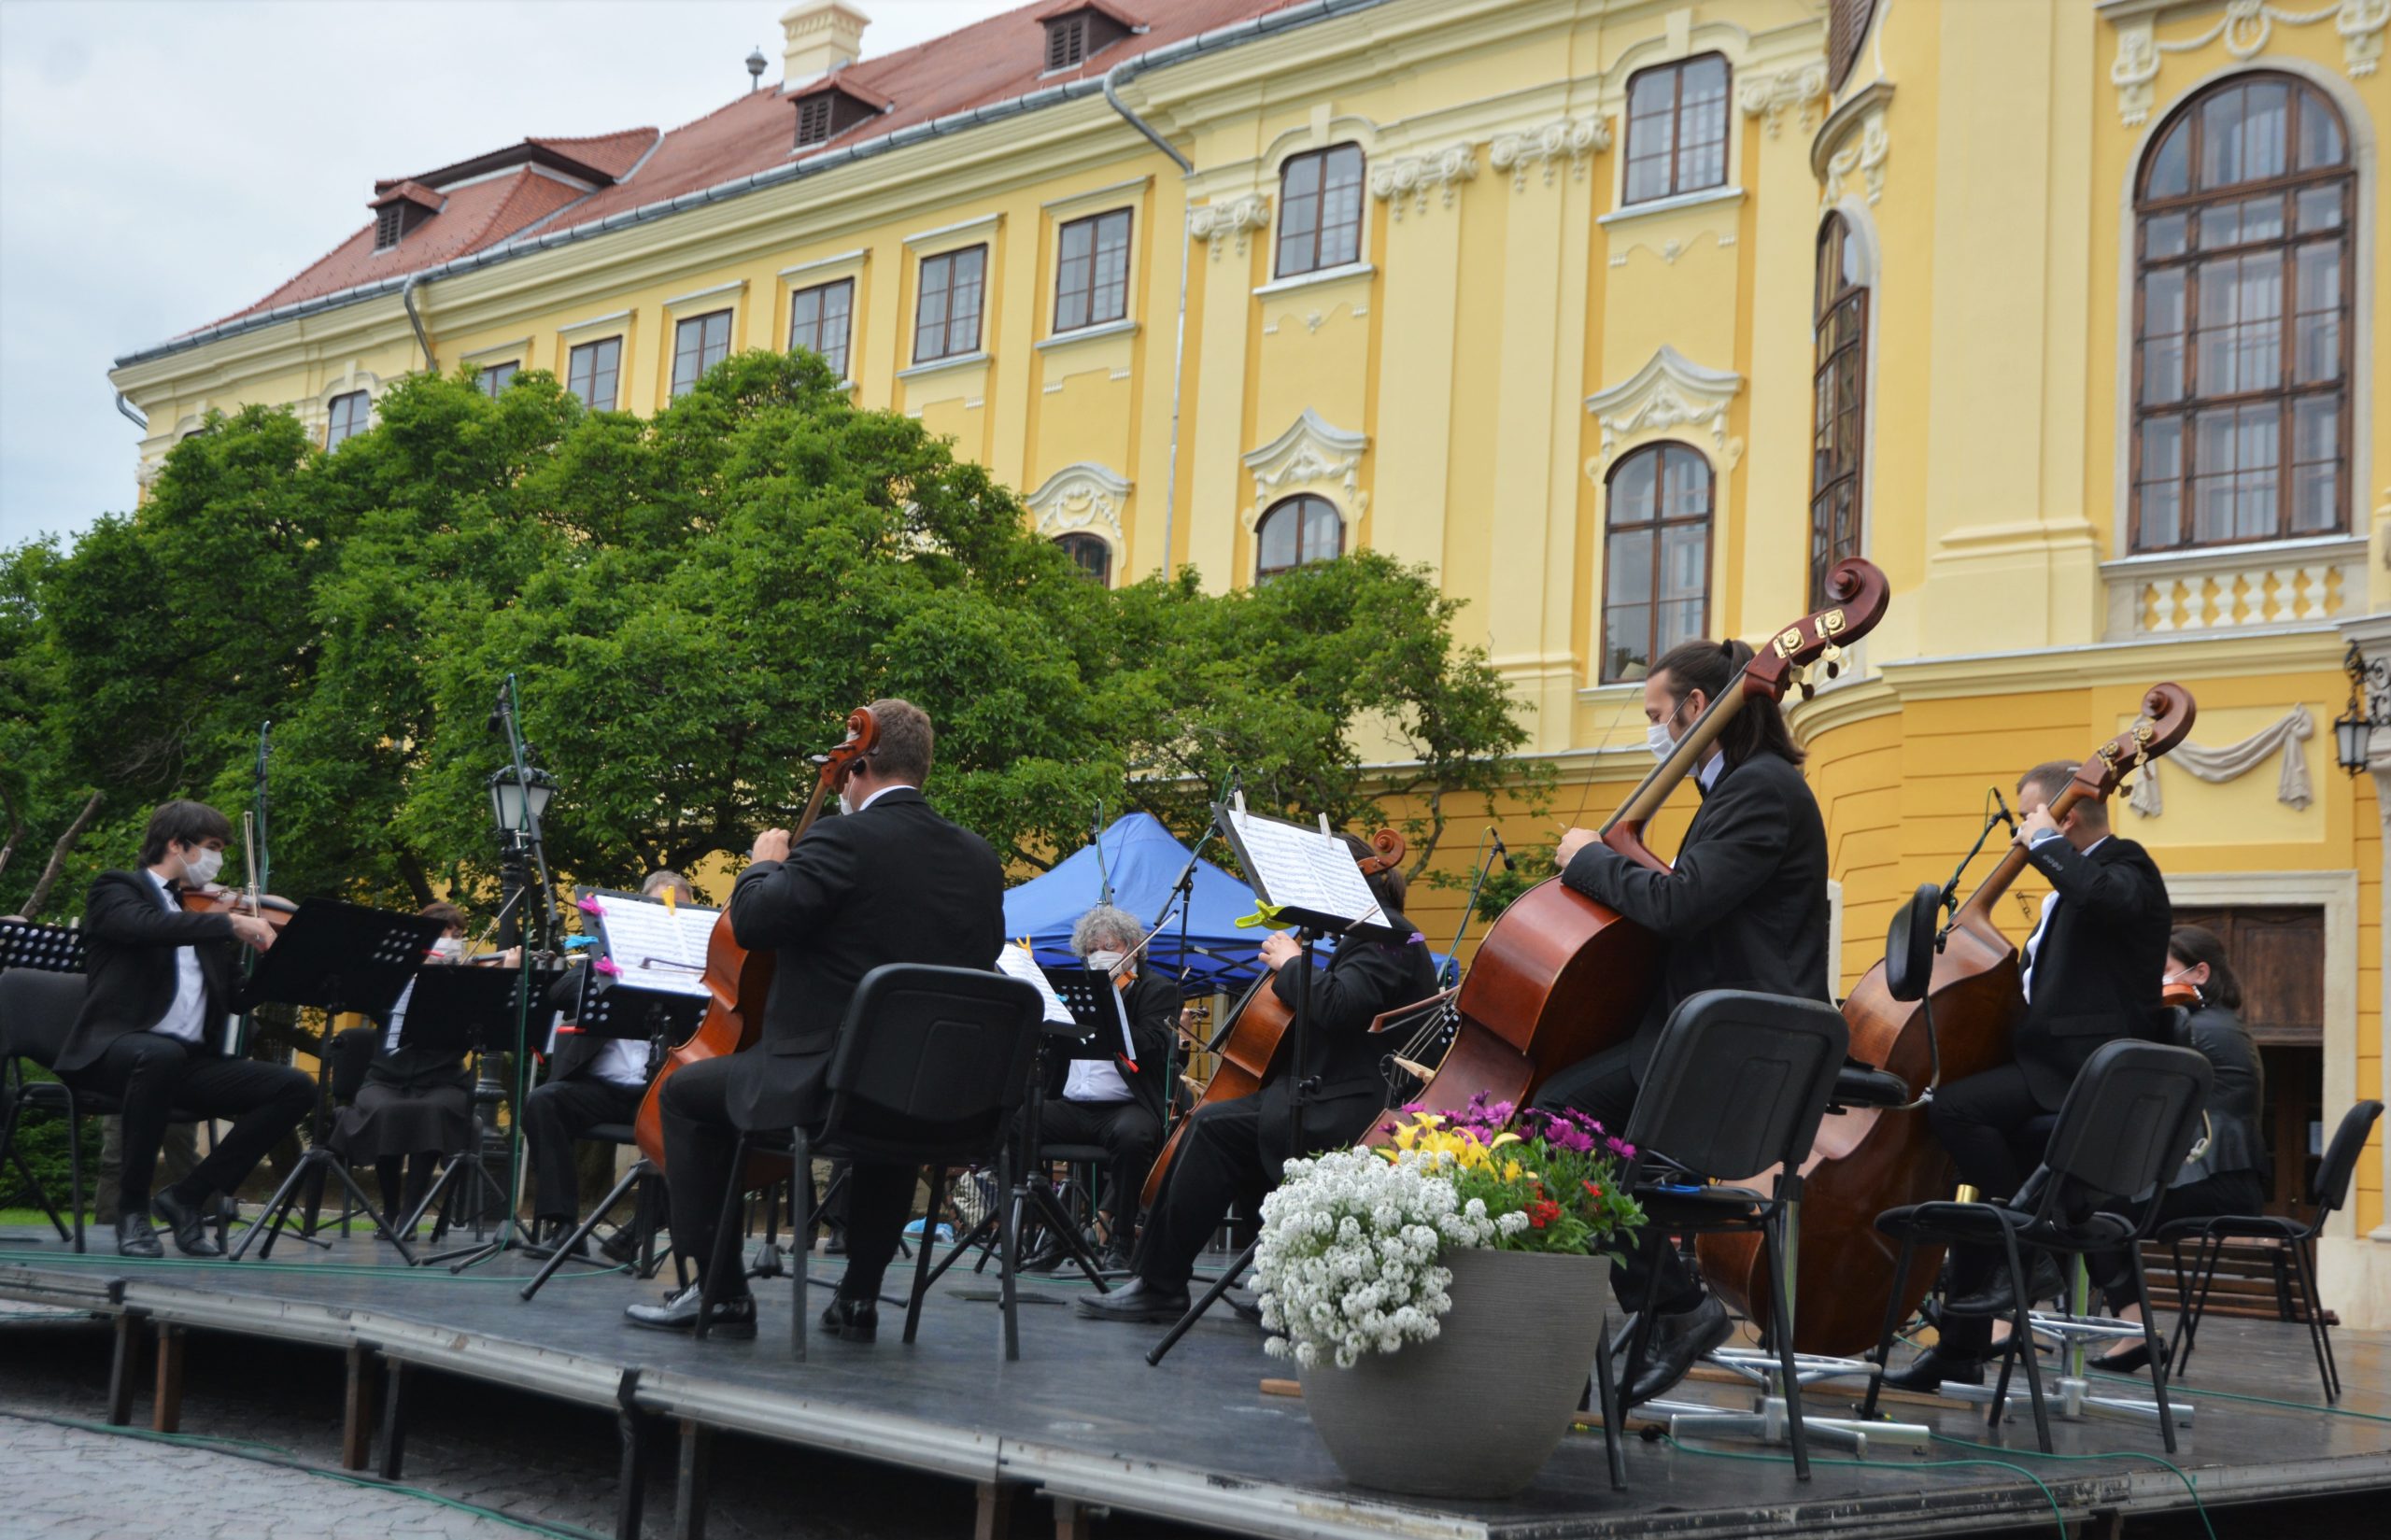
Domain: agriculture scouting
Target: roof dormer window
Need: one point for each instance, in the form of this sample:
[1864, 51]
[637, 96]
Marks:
[399, 208]
[386, 227]
[825, 113]
[1077, 29]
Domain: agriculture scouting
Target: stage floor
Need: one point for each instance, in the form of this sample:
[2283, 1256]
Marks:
[1082, 1417]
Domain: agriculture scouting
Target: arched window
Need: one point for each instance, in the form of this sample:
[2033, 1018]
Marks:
[1838, 379]
[1295, 532]
[1676, 128]
[2243, 301]
[1320, 210]
[1095, 558]
[1656, 557]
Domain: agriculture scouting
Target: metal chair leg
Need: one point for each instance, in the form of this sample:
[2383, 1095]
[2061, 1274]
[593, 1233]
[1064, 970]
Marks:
[1614, 1424]
[922, 1257]
[2151, 1345]
[1008, 1262]
[800, 1218]
[725, 1240]
[2021, 1345]
[1782, 1327]
[1885, 1339]
[75, 1167]
[2304, 1262]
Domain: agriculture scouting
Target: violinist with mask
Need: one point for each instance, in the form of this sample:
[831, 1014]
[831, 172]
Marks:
[153, 1029]
[1745, 907]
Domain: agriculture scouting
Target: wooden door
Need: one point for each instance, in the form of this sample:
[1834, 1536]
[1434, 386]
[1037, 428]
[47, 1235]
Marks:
[2278, 955]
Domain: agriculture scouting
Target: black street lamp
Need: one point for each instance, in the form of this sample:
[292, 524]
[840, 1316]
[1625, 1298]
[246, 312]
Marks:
[2369, 708]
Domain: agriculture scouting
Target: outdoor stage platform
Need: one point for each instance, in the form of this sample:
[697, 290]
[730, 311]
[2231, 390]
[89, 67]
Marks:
[1083, 1420]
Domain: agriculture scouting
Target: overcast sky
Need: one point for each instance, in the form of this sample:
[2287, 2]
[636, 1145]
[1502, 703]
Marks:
[163, 164]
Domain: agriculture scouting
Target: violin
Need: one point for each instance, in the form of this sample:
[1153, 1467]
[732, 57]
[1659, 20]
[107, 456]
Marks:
[1560, 978]
[1257, 1032]
[216, 899]
[1867, 1160]
[738, 982]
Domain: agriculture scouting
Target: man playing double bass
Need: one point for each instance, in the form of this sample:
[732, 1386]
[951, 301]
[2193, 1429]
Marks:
[2091, 971]
[889, 881]
[1744, 908]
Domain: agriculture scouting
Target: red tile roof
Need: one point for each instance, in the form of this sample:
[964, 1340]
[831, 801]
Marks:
[411, 191]
[997, 60]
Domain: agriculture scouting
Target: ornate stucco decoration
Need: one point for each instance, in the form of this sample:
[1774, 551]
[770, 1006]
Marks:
[1412, 177]
[2244, 28]
[1575, 140]
[1770, 97]
[1238, 218]
[1309, 457]
[2281, 739]
[1854, 138]
[1085, 496]
[1670, 391]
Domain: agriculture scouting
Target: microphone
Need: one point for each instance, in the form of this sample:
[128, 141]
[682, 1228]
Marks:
[2004, 814]
[1501, 849]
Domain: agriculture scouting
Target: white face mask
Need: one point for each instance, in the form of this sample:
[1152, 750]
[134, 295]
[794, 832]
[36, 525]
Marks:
[201, 869]
[1105, 962]
[448, 948]
[1657, 739]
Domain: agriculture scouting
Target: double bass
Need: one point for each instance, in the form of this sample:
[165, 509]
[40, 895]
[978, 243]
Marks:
[1256, 1032]
[739, 981]
[1867, 1160]
[1559, 977]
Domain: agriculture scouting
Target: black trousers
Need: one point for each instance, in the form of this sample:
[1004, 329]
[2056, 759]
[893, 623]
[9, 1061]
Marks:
[1983, 1122]
[1131, 1136]
[556, 1113]
[1605, 1088]
[1230, 1156]
[2227, 1193]
[151, 1074]
[699, 1141]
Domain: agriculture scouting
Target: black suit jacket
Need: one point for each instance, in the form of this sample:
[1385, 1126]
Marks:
[2235, 1141]
[1744, 905]
[1364, 980]
[130, 941]
[893, 883]
[2097, 965]
[1152, 1004]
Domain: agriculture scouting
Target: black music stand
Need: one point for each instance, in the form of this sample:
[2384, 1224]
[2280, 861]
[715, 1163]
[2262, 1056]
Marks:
[51, 949]
[1304, 869]
[465, 1010]
[337, 957]
[620, 1011]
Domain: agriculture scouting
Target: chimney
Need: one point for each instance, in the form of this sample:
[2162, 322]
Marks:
[821, 35]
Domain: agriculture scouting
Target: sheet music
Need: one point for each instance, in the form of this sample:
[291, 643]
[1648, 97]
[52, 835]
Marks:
[653, 946]
[1297, 868]
[1014, 961]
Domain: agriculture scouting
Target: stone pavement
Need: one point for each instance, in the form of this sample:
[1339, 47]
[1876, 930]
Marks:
[64, 1483]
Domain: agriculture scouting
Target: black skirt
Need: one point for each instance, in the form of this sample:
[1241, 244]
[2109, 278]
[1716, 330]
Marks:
[390, 1120]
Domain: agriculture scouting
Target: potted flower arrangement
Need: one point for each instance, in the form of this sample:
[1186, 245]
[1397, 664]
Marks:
[1458, 1264]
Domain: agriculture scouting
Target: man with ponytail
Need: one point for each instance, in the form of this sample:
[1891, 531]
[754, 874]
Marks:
[1745, 907]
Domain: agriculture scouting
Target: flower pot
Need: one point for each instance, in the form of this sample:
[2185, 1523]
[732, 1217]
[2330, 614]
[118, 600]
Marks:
[1477, 1410]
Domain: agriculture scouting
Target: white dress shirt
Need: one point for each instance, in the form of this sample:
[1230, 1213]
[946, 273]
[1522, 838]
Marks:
[621, 1062]
[882, 792]
[186, 1019]
[2050, 902]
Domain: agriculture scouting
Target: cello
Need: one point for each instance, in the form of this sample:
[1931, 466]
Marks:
[1559, 977]
[1256, 1032]
[1867, 1160]
[739, 981]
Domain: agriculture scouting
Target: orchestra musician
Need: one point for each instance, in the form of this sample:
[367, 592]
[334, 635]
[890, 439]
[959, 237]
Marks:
[1112, 1101]
[890, 882]
[2229, 1175]
[1745, 907]
[1231, 1151]
[154, 1028]
[591, 1081]
[2091, 973]
[416, 1103]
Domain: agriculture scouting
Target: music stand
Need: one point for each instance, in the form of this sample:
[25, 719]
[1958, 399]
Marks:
[464, 1010]
[620, 1011]
[337, 957]
[1306, 878]
[51, 949]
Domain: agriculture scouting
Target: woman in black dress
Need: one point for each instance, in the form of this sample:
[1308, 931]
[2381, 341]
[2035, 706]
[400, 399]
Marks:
[416, 1104]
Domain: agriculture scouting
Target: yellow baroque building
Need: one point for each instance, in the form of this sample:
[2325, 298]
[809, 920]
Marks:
[1625, 317]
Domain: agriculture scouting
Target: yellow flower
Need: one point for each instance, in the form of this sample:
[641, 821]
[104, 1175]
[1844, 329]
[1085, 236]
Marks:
[1502, 1139]
[1512, 1171]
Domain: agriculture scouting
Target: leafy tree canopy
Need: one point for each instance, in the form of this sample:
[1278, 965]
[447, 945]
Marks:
[690, 604]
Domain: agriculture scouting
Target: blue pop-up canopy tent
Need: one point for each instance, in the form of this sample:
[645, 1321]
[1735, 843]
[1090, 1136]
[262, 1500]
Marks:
[1144, 861]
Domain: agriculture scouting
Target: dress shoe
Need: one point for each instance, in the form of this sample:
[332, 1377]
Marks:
[1678, 1343]
[679, 1313]
[1929, 1369]
[1997, 1298]
[1247, 1304]
[852, 1319]
[136, 1236]
[189, 1224]
[1134, 1301]
[1046, 1255]
[2134, 1359]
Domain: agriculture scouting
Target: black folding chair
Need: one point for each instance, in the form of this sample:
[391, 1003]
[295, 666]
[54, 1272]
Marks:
[2297, 1240]
[37, 1010]
[929, 1068]
[2127, 1123]
[1736, 1085]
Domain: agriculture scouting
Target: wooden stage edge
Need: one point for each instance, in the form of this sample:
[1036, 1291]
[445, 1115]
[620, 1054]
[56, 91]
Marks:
[1082, 1419]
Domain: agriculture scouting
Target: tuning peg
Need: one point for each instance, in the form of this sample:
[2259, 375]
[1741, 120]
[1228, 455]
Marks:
[1808, 690]
[1834, 671]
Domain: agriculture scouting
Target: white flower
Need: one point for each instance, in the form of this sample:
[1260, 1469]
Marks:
[1346, 1260]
